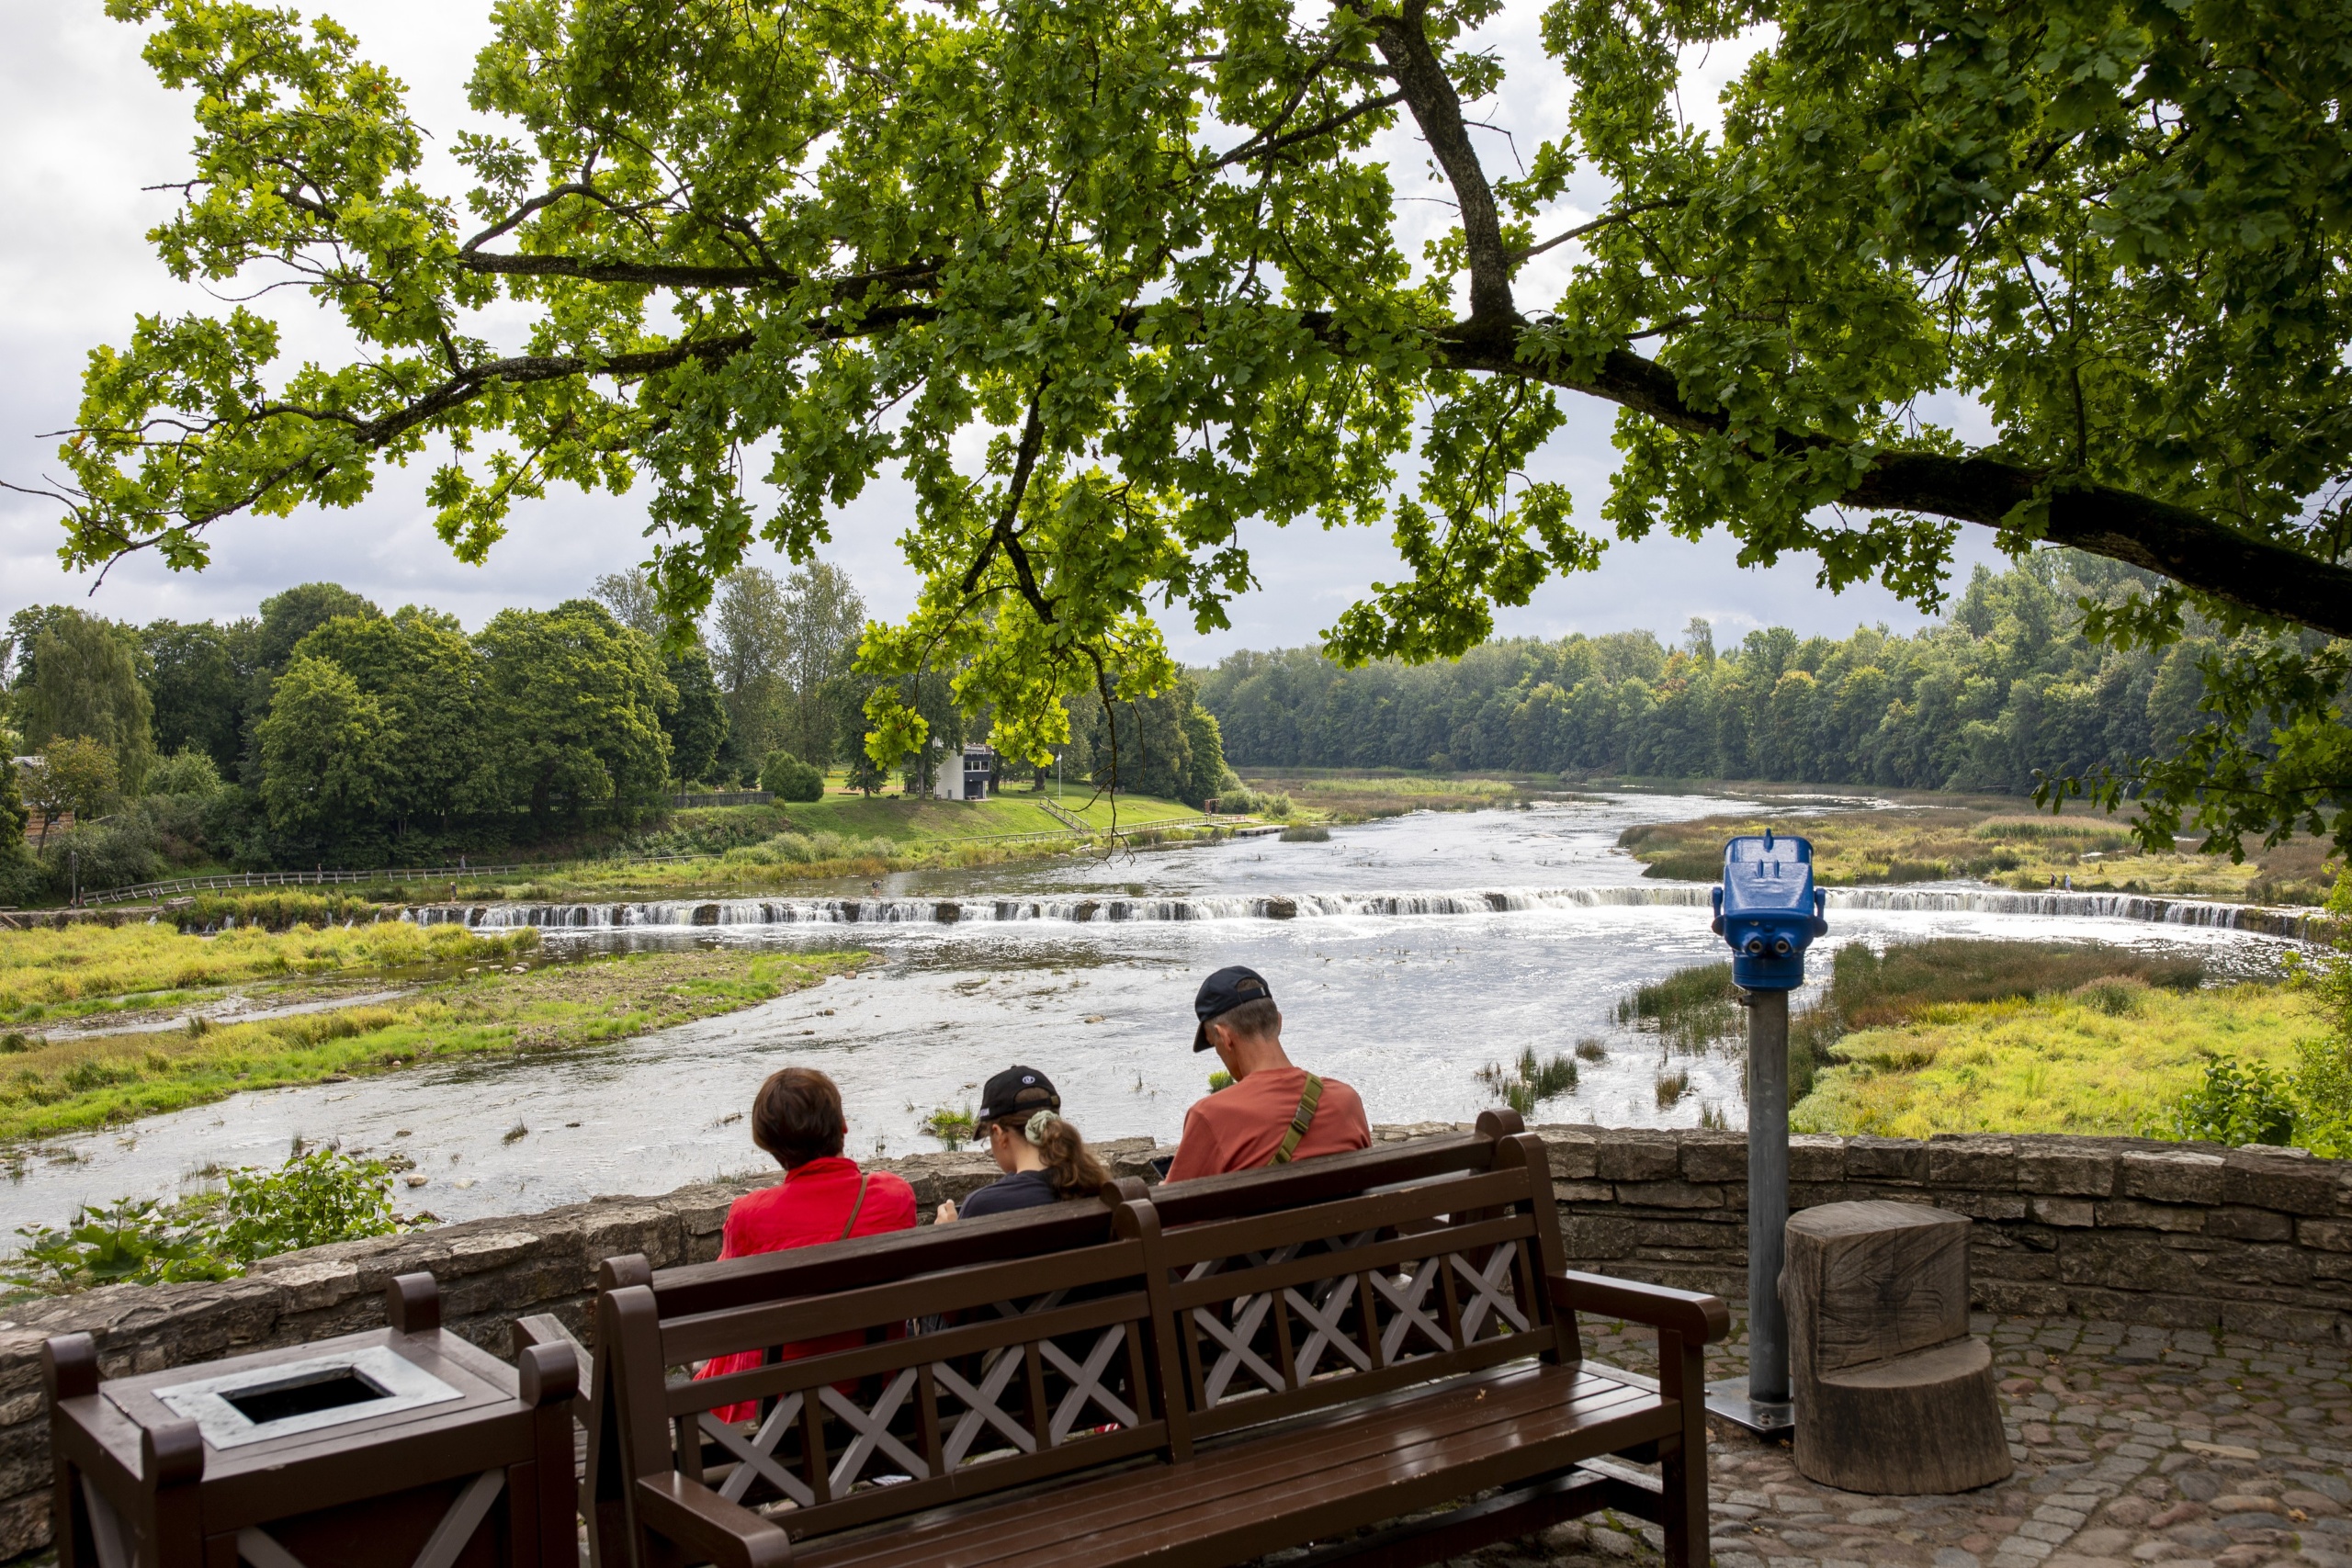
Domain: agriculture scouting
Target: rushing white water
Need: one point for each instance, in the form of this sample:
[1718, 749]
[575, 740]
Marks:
[1407, 955]
[681, 913]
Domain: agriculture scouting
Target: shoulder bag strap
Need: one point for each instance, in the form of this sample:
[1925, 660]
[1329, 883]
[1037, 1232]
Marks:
[850, 1223]
[1300, 1121]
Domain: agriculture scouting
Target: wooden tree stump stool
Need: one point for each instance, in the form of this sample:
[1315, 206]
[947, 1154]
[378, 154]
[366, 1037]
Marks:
[1892, 1393]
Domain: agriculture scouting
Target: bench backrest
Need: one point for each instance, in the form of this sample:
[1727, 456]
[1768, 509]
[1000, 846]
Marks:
[1280, 1310]
[1063, 1339]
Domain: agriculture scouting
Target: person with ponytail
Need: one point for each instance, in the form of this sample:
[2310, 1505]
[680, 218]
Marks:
[1042, 1157]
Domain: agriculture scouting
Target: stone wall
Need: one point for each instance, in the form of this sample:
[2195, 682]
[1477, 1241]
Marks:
[2179, 1235]
[2122, 1230]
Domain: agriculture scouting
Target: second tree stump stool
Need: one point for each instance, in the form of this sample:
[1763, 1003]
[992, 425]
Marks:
[1892, 1393]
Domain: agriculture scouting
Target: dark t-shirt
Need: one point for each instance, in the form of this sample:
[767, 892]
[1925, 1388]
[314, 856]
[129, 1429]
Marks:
[1022, 1190]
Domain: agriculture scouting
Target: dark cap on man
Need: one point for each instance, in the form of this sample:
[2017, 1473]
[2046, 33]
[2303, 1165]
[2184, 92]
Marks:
[1221, 993]
[1018, 1092]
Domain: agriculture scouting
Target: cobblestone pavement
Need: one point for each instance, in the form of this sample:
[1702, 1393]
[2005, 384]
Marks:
[2134, 1446]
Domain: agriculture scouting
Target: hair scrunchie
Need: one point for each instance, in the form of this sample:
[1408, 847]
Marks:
[1035, 1129]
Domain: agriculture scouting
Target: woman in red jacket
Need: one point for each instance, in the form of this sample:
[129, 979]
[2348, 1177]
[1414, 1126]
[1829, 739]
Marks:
[823, 1197]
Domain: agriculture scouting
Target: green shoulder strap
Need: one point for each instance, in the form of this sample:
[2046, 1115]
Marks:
[1305, 1117]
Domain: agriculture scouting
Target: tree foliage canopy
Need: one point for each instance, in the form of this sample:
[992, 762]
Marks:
[1137, 257]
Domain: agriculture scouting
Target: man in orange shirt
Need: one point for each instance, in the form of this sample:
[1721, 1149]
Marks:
[1272, 1112]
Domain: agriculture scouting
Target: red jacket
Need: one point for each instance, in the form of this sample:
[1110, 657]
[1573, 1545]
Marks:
[809, 1206]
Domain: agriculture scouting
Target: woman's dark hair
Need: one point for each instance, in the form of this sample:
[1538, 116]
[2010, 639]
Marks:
[797, 1117]
[1071, 1165]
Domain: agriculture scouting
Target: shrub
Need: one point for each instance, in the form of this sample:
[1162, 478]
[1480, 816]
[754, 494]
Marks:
[185, 772]
[313, 1199]
[2239, 1102]
[786, 777]
[1308, 835]
[2118, 996]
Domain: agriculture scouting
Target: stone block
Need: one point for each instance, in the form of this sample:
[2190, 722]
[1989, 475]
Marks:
[1816, 1156]
[1975, 1160]
[1586, 1238]
[1574, 1152]
[1639, 1153]
[1903, 1160]
[2074, 1168]
[2328, 1236]
[2249, 1225]
[2288, 1185]
[2075, 1213]
[1990, 1207]
[2016, 1297]
[2012, 1264]
[2128, 1213]
[1583, 1191]
[2173, 1176]
[1709, 1156]
[2125, 1260]
[23, 1523]
[1670, 1195]
[2277, 1320]
[2258, 1264]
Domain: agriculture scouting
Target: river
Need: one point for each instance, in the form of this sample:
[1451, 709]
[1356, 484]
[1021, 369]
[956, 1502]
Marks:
[1405, 955]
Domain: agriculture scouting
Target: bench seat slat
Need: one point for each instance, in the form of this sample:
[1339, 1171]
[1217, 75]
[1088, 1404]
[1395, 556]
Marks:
[1257, 1232]
[1358, 1467]
[688, 1395]
[1260, 1278]
[701, 1336]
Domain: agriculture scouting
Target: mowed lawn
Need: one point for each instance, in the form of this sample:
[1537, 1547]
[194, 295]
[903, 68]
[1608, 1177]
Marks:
[906, 821]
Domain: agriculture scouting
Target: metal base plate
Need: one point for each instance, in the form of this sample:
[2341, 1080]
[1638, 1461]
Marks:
[1766, 1419]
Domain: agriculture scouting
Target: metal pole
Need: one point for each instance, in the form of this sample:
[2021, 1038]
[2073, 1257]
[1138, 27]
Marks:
[1768, 1195]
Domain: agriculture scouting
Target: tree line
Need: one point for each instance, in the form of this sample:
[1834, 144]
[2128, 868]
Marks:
[323, 730]
[2006, 690]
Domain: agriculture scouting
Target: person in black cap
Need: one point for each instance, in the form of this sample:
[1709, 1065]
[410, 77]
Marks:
[1042, 1157]
[1272, 1112]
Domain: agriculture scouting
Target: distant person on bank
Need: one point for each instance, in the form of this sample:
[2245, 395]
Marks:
[1272, 1112]
[1042, 1157]
[797, 1119]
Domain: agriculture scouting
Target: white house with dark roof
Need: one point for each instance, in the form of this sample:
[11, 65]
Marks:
[970, 780]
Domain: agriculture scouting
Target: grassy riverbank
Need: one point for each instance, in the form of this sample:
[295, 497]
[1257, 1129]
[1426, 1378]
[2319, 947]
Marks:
[78, 970]
[741, 851]
[71, 1084]
[2112, 1057]
[1337, 796]
[2000, 841]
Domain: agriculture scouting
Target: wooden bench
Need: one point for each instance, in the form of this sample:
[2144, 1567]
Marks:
[1196, 1378]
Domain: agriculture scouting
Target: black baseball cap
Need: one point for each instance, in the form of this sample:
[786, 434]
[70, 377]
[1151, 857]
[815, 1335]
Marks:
[1222, 992]
[1018, 1092]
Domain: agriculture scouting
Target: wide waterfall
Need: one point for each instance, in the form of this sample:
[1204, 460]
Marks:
[745, 912]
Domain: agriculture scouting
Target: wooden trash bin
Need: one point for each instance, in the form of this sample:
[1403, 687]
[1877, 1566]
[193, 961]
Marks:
[401, 1448]
[1892, 1393]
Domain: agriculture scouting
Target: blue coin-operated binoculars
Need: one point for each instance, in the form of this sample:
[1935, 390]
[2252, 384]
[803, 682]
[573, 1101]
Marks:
[1768, 912]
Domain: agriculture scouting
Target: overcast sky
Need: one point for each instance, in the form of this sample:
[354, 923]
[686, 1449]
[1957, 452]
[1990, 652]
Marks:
[87, 127]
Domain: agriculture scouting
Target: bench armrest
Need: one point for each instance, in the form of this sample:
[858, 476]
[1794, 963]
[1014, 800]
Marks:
[701, 1520]
[1699, 1318]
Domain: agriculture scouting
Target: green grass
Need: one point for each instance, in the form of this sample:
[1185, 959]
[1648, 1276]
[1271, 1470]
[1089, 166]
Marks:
[1693, 1008]
[1871, 990]
[1357, 796]
[904, 821]
[84, 969]
[1994, 842]
[72, 1085]
[2050, 1064]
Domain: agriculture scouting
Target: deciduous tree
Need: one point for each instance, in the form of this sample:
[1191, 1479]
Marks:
[1105, 281]
[85, 682]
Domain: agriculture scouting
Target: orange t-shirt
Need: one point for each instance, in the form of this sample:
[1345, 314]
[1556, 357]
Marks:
[1241, 1125]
